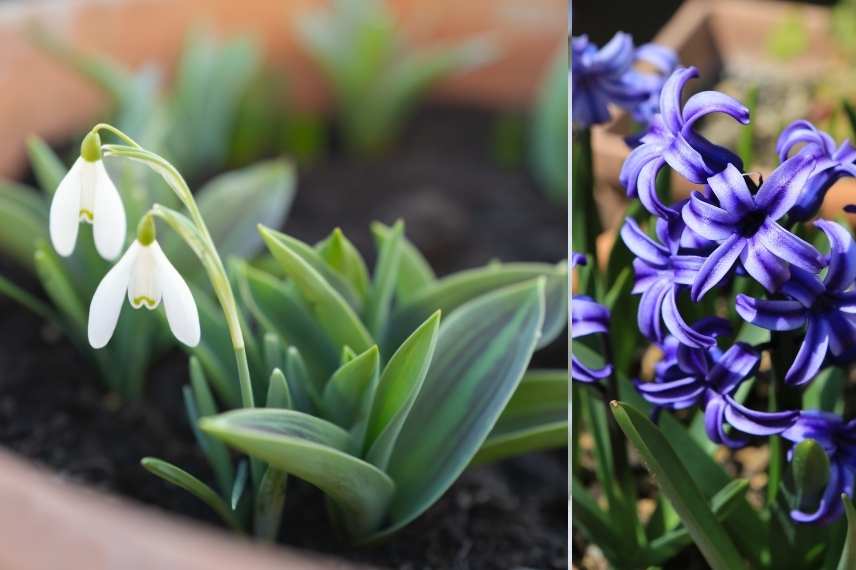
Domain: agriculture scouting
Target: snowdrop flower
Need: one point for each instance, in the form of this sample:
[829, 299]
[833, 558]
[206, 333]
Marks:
[146, 276]
[87, 194]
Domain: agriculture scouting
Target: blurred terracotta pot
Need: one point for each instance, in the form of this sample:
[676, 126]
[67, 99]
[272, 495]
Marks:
[39, 95]
[45, 524]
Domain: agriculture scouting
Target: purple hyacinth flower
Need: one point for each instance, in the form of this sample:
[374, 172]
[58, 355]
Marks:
[826, 308]
[600, 77]
[661, 273]
[832, 163]
[671, 139]
[587, 317]
[838, 439]
[662, 61]
[744, 221]
[709, 378]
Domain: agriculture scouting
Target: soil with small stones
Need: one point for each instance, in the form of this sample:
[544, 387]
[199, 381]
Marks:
[462, 210]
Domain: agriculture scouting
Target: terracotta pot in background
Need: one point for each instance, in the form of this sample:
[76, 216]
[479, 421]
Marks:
[47, 524]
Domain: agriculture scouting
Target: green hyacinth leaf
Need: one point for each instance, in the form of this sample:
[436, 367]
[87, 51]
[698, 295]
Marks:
[350, 387]
[399, 386]
[414, 271]
[535, 418]
[482, 352]
[334, 315]
[341, 255]
[316, 451]
[181, 478]
[451, 292]
[678, 486]
[848, 553]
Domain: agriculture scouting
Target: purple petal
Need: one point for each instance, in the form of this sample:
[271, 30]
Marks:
[707, 102]
[798, 132]
[803, 286]
[668, 393]
[733, 367]
[633, 164]
[578, 259]
[670, 97]
[707, 220]
[679, 327]
[842, 256]
[765, 267]
[715, 156]
[717, 266]
[757, 423]
[770, 315]
[582, 373]
[661, 57]
[615, 57]
[826, 509]
[783, 188]
[788, 247]
[695, 361]
[647, 190]
[685, 268]
[645, 275]
[588, 317]
[714, 421]
[842, 333]
[730, 189]
[811, 354]
[650, 308]
[641, 245]
[686, 160]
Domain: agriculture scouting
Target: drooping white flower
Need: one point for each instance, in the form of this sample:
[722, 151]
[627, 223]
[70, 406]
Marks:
[87, 194]
[145, 276]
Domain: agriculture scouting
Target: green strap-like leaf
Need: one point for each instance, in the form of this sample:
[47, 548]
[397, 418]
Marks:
[674, 481]
[200, 403]
[181, 478]
[482, 351]
[593, 521]
[451, 292]
[315, 451]
[341, 255]
[398, 389]
[278, 396]
[47, 166]
[333, 313]
[414, 271]
[345, 395]
[379, 299]
[23, 222]
[270, 500]
[535, 418]
[848, 553]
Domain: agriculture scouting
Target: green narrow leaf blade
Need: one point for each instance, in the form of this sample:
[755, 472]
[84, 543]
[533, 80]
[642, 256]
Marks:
[414, 271]
[48, 169]
[379, 299]
[346, 392]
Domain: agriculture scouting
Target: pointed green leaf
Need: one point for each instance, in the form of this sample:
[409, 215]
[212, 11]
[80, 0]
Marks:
[348, 389]
[274, 351]
[379, 299]
[200, 403]
[47, 166]
[60, 289]
[25, 299]
[535, 418]
[453, 291]
[240, 484]
[314, 450]
[341, 255]
[270, 500]
[482, 351]
[848, 553]
[398, 389]
[333, 313]
[593, 521]
[214, 350]
[279, 308]
[279, 396]
[181, 478]
[414, 271]
[305, 388]
[678, 486]
[23, 222]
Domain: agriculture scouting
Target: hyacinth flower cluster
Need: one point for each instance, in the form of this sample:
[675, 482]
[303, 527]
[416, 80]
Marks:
[746, 301]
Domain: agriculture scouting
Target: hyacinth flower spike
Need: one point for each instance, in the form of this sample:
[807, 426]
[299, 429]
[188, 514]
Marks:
[671, 139]
[832, 163]
[587, 317]
[838, 439]
[709, 378]
[600, 77]
[745, 225]
[661, 273]
[146, 277]
[86, 194]
[826, 308]
[662, 61]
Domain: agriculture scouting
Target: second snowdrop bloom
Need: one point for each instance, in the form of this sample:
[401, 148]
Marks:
[145, 276]
[87, 194]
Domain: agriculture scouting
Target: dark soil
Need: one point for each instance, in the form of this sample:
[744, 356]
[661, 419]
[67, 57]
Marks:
[462, 210]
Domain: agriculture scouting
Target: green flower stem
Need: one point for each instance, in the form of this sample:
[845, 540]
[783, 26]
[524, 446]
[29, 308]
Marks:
[205, 249]
[585, 220]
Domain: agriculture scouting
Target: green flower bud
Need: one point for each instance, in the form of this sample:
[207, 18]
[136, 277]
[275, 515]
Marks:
[810, 468]
[146, 232]
[90, 148]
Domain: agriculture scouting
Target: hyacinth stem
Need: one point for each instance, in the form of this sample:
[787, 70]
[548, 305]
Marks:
[585, 220]
[782, 397]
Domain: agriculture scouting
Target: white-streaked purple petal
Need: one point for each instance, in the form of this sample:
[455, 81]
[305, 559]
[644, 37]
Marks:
[763, 265]
[842, 256]
[641, 245]
[775, 315]
[733, 367]
[811, 354]
[708, 221]
[757, 423]
[730, 189]
[788, 246]
[650, 309]
[707, 102]
[686, 160]
[717, 266]
[783, 188]
[679, 327]
[670, 97]
[668, 393]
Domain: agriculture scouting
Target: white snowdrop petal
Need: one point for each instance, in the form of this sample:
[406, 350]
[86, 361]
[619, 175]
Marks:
[107, 301]
[143, 287]
[181, 312]
[65, 211]
[109, 215]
